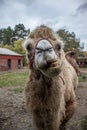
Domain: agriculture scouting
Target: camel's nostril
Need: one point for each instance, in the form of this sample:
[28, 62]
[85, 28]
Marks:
[53, 65]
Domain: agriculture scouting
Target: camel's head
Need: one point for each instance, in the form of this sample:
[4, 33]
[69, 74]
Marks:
[44, 51]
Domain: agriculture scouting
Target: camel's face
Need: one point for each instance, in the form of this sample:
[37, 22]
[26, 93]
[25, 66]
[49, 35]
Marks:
[46, 59]
[44, 51]
[45, 56]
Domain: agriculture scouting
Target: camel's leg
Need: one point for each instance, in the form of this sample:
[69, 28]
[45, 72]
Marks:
[38, 121]
[32, 129]
[70, 110]
[45, 122]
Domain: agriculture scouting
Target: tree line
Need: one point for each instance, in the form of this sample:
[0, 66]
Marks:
[12, 38]
[9, 35]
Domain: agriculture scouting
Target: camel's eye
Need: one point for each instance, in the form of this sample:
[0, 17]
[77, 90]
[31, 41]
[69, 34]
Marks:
[50, 49]
[39, 51]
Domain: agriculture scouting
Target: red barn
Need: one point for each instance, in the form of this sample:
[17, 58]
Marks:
[10, 60]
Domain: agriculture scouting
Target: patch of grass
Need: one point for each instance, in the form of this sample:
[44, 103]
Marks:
[18, 78]
[13, 78]
[18, 90]
[83, 77]
[84, 123]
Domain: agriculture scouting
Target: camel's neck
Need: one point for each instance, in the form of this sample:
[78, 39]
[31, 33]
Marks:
[37, 75]
[39, 78]
[46, 80]
[43, 86]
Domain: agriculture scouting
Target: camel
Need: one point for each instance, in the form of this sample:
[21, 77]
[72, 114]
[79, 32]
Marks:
[49, 92]
[71, 57]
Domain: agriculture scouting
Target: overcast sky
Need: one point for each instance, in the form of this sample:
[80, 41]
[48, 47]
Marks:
[68, 14]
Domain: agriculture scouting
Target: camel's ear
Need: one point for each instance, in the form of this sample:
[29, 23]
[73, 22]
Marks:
[29, 47]
[60, 44]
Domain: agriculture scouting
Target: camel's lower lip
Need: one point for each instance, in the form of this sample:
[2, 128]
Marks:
[51, 71]
[48, 66]
[45, 66]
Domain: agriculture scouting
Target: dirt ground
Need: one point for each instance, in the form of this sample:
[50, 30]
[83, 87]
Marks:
[13, 114]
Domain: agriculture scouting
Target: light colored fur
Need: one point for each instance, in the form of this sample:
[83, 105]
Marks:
[51, 100]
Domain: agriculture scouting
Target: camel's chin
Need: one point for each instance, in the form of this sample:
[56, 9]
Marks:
[51, 71]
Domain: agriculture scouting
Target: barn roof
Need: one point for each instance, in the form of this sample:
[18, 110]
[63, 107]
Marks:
[5, 51]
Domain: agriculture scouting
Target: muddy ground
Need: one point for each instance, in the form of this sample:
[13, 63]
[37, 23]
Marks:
[13, 114]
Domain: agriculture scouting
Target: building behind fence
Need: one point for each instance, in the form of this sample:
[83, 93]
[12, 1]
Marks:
[10, 60]
[82, 61]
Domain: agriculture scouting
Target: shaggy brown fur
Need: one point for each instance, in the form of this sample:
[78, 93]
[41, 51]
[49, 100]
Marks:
[51, 100]
[42, 32]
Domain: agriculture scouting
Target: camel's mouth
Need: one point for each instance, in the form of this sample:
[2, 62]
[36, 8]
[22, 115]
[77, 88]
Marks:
[49, 66]
[51, 70]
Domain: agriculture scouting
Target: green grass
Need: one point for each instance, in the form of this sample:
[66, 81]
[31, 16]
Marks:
[83, 77]
[18, 78]
[13, 78]
[84, 123]
[18, 90]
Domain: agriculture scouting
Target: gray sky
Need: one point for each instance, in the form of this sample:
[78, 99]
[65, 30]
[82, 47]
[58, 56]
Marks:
[68, 14]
